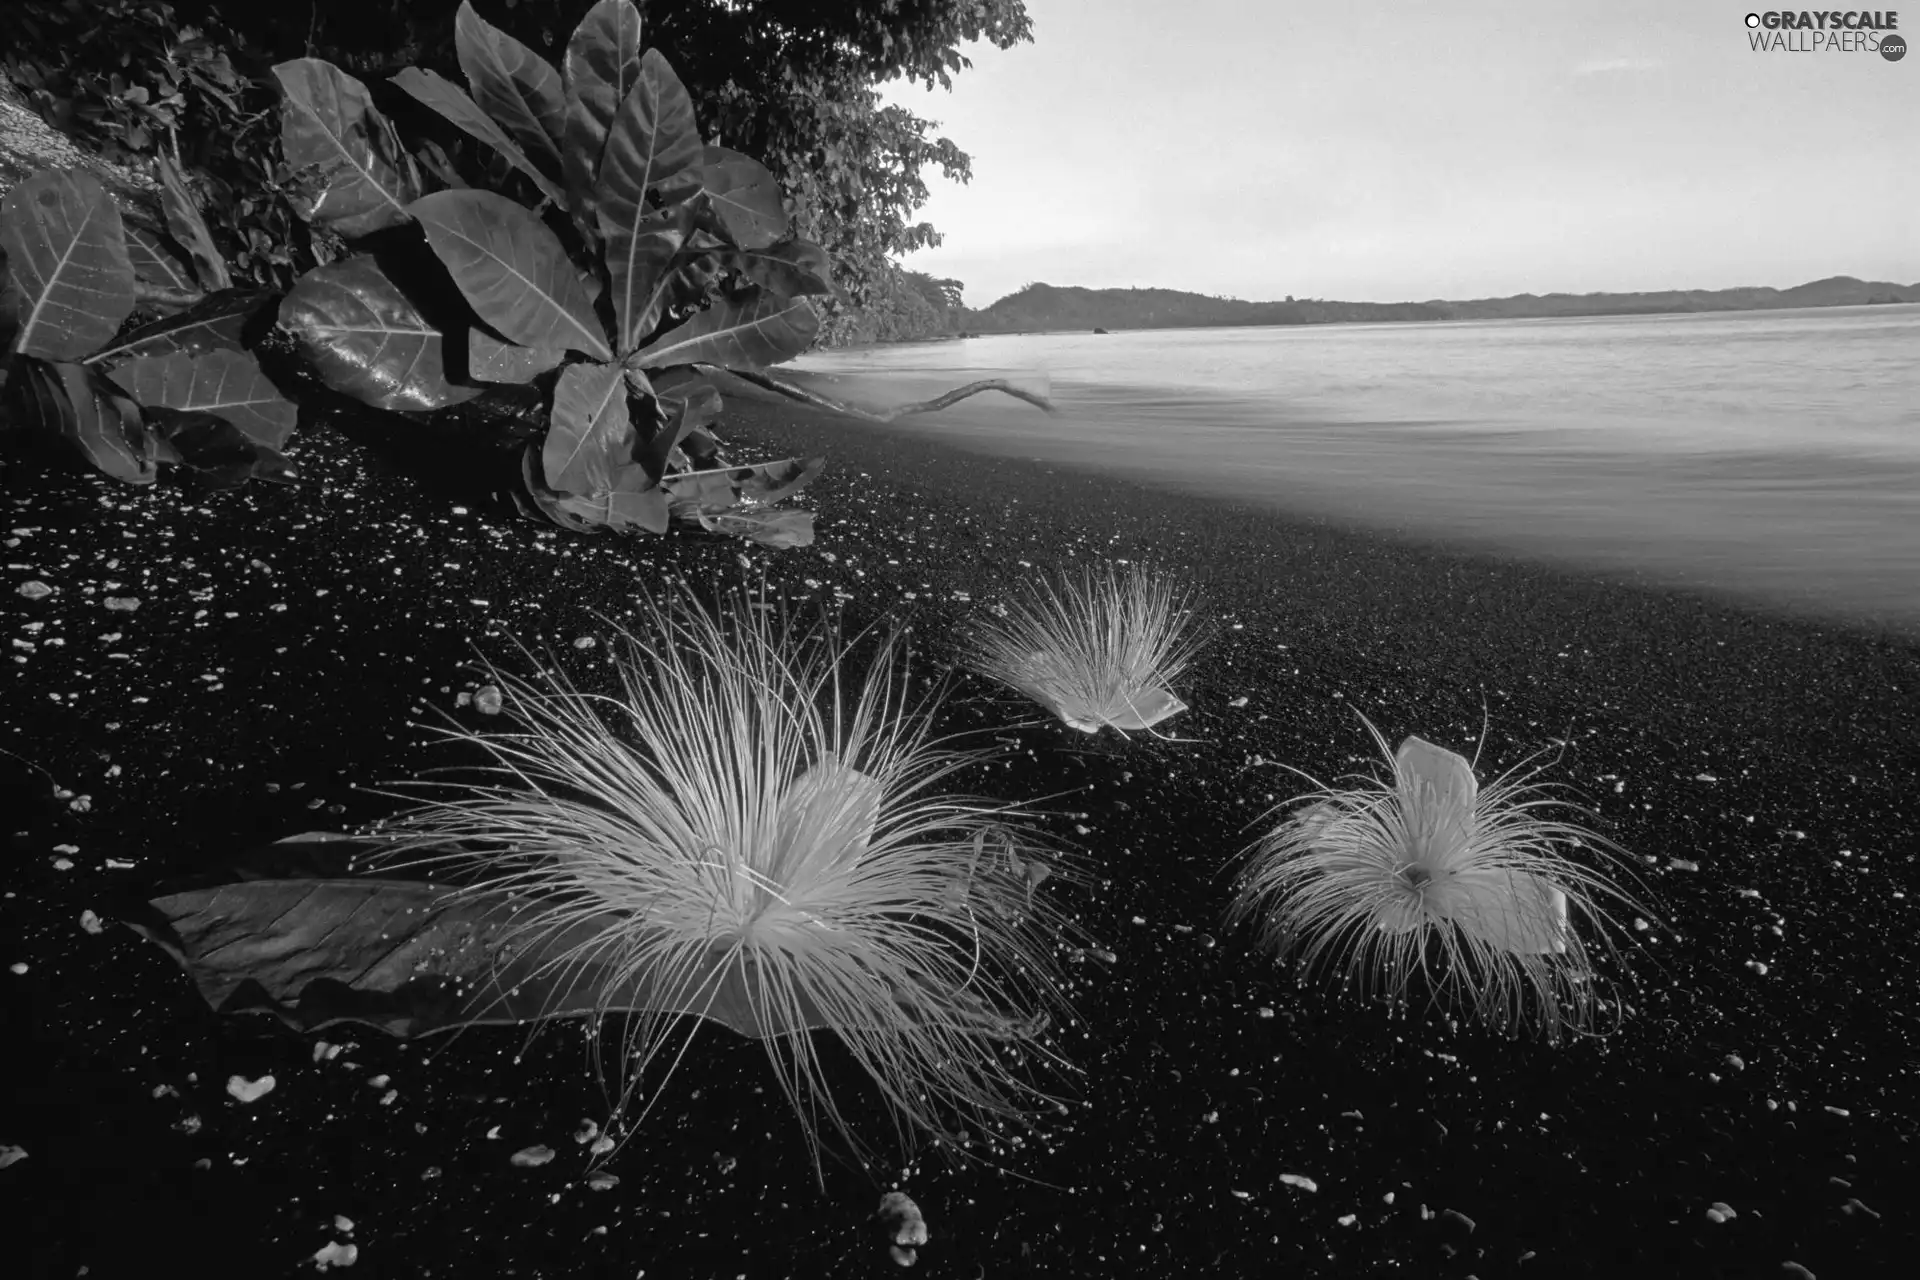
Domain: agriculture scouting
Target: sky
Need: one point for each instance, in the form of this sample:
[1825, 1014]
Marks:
[1391, 152]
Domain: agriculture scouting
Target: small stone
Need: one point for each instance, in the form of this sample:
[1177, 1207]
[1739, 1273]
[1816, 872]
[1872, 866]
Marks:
[585, 642]
[602, 1181]
[532, 1157]
[336, 1255]
[907, 1226]
[245, 1090]
[1300, 1181]
[90, 922]
[122, 604]
[35, 590]
[487, 700]
[1719, 1211]
[11, 1155]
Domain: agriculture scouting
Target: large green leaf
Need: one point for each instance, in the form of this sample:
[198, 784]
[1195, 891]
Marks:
[512, 270]
[515, 85]
[603, 65]
[642, 255]
[366, 338]
[792, 268]
[696, 407]
[745, 196]
[653, 142]
[221, 322]
[162, 275]
[329, 121]
[451, 101]
[219, 453]
[69, 282]
[754, 331]
[75, 403]
[412, 957]
[228, 384]
[491, 360]
[589, 433]
[188, 228]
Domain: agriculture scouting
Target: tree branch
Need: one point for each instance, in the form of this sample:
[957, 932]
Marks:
[958, 394]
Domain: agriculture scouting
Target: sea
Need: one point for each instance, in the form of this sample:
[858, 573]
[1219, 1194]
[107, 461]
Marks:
[1770, 456]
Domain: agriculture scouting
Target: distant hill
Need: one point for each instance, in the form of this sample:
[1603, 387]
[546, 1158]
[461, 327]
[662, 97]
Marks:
[1054, 307]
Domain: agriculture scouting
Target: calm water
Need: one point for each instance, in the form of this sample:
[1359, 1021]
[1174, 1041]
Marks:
[1772, 455]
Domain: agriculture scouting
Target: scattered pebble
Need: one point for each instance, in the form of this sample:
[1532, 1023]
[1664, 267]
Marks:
[487, 700]
[10, 1156]
[17, 968]
[1758, 966]
[586, 1133]
[909, 1229]
[1240, 701]
[123, 604]
[1719, 1211]
[1297, 1180]
[602, 1181]
[90, 922]
[35, 590]
[249, 1090]
[336, 1255]
[532, 1157]
[343, 1224]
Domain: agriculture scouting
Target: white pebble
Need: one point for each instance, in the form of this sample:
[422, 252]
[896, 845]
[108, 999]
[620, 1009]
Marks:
[246, 1090]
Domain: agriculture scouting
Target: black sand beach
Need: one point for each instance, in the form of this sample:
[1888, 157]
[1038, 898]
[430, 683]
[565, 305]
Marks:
[1222, 1124]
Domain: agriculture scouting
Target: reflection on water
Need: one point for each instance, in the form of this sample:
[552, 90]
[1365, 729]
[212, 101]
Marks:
[1775, 455]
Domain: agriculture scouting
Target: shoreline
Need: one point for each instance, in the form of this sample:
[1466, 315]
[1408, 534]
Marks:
[286, 643]
[1116, 327]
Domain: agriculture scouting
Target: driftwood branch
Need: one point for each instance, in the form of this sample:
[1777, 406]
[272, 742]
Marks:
[804, 396]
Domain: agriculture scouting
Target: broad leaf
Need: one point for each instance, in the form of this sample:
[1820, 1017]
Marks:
[512, 270]
[515, 85]
[642, 255]
[161, 273]
[491, 360]
[653, 142]
[603, 66]
[713, 491]
[539, 499]
[589, 434]
[754, 331]
[220, 454]
[367, 339]
[218, 323]
[412, 958]
[75, 403]
[228, 384]
[621, 510]
[780, 530]
[790, 269]
[189, 229]
[329, 121]
[451, 101]
[69, 282]
[685, 415]
[746, 198]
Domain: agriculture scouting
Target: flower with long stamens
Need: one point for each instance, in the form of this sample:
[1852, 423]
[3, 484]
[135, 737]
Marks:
[747, 835]
[1099, 649]
[1423, 874]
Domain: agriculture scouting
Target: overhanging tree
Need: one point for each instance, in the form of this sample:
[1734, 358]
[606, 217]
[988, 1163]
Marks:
[790, 82]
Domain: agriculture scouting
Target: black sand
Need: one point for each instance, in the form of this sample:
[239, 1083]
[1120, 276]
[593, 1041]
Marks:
[284, 641]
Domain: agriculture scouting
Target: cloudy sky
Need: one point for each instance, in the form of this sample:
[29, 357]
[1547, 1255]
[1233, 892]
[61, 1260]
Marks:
[1382, 152]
